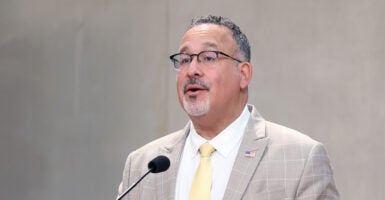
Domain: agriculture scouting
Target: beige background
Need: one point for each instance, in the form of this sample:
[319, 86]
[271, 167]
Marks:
[83, 83]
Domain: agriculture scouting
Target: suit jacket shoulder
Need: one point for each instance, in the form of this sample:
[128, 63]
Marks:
[283, 135]
[160, 145]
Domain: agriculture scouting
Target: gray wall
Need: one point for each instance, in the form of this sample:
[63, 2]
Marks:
[83, 83]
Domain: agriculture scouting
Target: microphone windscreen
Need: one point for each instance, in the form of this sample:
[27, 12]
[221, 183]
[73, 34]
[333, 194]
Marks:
[159, 164]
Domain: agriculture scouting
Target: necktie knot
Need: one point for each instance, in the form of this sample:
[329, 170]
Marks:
[206, 149]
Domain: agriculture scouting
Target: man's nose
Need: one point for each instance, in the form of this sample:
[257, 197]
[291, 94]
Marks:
[194, 68]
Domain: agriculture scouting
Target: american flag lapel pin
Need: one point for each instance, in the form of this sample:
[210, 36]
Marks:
[249, 154]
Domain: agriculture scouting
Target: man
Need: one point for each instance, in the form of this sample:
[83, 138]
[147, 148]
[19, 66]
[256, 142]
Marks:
[249, 158]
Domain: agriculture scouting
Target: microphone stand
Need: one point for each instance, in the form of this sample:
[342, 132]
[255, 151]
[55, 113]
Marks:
[156, 165]
[133, 185]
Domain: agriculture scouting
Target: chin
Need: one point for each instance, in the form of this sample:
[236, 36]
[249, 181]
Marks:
[196, 108]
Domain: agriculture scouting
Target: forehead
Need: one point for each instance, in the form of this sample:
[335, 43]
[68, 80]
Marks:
[207, 36]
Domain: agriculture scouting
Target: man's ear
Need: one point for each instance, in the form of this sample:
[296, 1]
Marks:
[246, 72]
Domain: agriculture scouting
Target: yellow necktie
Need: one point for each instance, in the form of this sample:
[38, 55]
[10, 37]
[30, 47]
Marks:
[201, 185]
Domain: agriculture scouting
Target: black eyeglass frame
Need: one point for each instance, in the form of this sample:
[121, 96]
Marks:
[197, 55]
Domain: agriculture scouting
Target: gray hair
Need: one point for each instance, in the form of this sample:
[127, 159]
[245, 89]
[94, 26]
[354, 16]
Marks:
[239, 37]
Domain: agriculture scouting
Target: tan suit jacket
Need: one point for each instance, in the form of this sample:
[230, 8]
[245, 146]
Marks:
[286, 165]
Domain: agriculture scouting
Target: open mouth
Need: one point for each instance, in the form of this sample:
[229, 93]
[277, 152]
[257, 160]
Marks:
[194, 88]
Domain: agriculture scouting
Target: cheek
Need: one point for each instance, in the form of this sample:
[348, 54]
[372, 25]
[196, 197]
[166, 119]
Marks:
[227, 84]
[218, 86]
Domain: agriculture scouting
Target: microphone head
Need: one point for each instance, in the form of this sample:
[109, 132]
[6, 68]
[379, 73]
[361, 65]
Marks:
[159, 164]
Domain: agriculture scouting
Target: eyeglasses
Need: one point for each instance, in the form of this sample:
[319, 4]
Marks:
[208, 58]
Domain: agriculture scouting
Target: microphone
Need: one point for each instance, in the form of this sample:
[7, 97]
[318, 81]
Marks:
[156, 165]
[159, 164]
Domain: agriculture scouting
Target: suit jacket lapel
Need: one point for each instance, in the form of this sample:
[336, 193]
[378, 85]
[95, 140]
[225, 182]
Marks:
[254, 141]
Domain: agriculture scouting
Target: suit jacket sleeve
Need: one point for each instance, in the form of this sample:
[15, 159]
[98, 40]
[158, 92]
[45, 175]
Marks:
[317, 179]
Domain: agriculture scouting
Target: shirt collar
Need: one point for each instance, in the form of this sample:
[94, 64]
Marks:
[226, 140]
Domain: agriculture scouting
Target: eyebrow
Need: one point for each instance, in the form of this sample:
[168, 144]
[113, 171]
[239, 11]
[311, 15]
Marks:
[206, 44]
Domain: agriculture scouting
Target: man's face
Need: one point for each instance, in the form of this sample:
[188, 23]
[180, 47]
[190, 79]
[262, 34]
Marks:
[208, 89]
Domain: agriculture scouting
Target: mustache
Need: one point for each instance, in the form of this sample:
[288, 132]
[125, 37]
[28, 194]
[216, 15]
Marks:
[195, 81]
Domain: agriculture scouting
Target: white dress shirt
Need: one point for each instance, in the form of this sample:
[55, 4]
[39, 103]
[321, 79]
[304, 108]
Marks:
[226, 144]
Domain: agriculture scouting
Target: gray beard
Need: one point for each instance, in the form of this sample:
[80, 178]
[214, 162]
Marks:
[196, 108]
